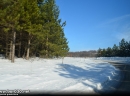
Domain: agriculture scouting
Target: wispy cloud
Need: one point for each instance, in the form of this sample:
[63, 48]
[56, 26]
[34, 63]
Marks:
[114, 21]
[117, 19]
[119, 27]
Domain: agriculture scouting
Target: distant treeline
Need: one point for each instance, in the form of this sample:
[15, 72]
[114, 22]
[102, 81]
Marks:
[91, 53]
[123, 50]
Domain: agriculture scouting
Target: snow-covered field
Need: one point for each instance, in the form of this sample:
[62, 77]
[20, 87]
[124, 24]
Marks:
[77, 75]
[116, 59]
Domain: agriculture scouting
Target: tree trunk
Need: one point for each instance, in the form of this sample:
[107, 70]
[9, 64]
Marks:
[28, 49]
[47, 48]
[10, 57]
[62, 59]
[13, 47]
[24, 53]
[6, 54]
[19, 52]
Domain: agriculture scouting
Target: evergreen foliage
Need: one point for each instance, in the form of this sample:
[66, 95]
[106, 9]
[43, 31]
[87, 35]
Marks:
[123, 50]
[31, 28]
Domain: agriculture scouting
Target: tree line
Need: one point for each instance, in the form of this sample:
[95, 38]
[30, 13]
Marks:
[91, 53]
[31, 28]
[122, 50]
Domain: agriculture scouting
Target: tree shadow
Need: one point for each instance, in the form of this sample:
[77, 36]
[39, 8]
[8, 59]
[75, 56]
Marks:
[93, 74]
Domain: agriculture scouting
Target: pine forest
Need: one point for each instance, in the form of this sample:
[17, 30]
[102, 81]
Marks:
[31, 28]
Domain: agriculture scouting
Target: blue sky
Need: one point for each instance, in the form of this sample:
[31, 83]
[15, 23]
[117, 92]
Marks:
[91, 24]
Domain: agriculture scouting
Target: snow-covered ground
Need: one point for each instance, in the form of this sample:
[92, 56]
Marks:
[81, 75]
[116, 59]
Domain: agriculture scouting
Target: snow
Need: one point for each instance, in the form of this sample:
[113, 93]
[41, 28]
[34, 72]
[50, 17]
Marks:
[78, 75]
[125, 60]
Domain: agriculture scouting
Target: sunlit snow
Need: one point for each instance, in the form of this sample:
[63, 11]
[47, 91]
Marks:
[81, 75]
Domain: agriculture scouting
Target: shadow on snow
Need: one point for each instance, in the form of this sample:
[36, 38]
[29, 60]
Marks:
[93, 73]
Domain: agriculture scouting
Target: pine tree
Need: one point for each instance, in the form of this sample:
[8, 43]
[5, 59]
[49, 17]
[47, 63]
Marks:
[108, 52]
[122, 48]
[126, 49]
[115, 50]
[9, 19]
[99, 52]
[32, 28]
[129, 49]
[29, 21]
[103, 52]
[54, 38]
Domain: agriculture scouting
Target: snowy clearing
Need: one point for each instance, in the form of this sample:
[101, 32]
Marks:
[81, 75]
